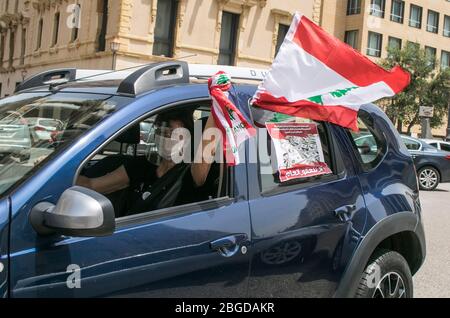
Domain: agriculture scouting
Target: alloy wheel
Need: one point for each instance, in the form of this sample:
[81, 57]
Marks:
[428, 178]
[390, 286]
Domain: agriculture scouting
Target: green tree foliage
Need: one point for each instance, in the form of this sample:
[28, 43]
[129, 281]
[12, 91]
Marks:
[429, 87]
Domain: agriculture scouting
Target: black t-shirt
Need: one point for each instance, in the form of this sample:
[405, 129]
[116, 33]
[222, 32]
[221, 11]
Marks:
[142, 175]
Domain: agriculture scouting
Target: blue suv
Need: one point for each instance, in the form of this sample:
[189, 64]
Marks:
[356, 232]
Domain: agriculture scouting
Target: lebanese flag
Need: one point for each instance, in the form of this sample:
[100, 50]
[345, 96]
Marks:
[228, 118]
[317, 76]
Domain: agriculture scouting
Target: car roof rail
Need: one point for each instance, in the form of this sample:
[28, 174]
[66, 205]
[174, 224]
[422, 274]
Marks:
[153, 76]
[235, 72]
[57, 76]
[144, 79]
[66, 75]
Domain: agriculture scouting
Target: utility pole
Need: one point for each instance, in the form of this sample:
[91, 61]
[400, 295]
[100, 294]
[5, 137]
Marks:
[448, 114]
[115, 47]
[448, 121]
[425, 114]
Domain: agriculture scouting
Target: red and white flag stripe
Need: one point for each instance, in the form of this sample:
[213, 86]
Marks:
[317, 76]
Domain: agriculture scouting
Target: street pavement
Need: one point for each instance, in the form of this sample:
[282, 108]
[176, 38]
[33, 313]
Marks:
[433, 279]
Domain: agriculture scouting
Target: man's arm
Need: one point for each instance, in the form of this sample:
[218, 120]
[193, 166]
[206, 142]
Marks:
[200, 170]
[112, 182]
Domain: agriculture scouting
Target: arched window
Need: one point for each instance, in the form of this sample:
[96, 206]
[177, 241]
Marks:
[55, 28]
[103, 23]
[39, 34]
[165, 27]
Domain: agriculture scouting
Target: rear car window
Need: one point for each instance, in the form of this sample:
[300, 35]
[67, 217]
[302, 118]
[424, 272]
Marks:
[369, 143]
[411, 144]
[445, 147]
[24, 145]
[268, 168]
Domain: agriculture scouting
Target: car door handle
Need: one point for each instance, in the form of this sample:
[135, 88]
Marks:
[345, 213]
[230, 245]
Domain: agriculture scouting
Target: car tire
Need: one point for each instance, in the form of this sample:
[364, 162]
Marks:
[386, 276]
[429, 178]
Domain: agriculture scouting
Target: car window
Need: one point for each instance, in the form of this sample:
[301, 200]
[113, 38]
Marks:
[369, 143]
[269, 173]
[23, 147]
[139, 149]
[411, 144]
[434, 144]
[445, 147]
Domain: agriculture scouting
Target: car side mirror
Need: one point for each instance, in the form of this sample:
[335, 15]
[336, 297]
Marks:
[79, 212]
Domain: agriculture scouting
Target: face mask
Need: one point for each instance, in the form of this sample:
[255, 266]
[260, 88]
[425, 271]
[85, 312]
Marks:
[167, 148]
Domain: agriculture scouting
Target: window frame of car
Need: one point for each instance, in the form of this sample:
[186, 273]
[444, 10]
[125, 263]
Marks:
[444, 144]
[337, 167]
[415, 141]
[174, 211]
[371, 126]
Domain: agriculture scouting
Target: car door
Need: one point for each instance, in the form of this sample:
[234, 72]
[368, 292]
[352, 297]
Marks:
[303, 234]
[187, 251]
[170, 255]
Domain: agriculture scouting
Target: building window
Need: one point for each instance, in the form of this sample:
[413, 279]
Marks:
[228, 38]
[447, 26]
[377, 8]
[6, 5]
[351, 38]
[282, 31]
[445, 60]
[374, 44]
[39, 34]
[55, 28]
[397, 11]
[2, 47]
[12, 44]
[353, 7]
[394, 43]
[165, 28]
[433, 21]
[16, 6]
[415, 17]
[430, 53]
[23, 46]
[75, 22]
[103, 23]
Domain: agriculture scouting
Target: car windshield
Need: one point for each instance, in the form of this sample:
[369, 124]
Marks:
[33, 126]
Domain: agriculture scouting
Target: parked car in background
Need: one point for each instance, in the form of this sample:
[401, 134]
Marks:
[438, 144]
[16, 137]
[44, 127]
[432, 165]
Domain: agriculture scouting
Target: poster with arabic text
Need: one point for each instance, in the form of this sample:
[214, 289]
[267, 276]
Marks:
[298, 150]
